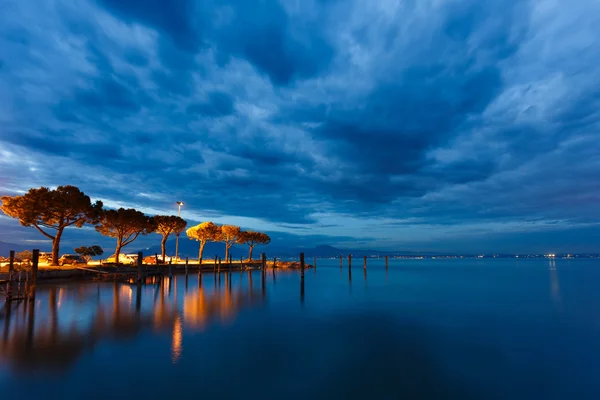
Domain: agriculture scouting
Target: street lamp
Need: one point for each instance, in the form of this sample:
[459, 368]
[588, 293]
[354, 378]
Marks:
[179, 204]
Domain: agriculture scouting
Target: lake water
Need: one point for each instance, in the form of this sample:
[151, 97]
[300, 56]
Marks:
[452, 329]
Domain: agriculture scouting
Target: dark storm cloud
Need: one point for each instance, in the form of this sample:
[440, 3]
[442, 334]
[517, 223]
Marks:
[312, 114]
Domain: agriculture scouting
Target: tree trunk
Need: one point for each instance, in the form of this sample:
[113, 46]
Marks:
[118, 252]
[250, 254]
[56, 247]
[163, 247]
[201, 251]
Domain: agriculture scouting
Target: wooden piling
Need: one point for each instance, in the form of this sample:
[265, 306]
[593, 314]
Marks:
[263, 257]
[219, 270]
[140, 259]
[274, 262]
[156, 259]
[241, 263]
[35, 259]
[349, 261]
[302, 278]
[365, 263]
[341, 262]
[9, 282]
[386, 262]
[315, 261]
[187, 260]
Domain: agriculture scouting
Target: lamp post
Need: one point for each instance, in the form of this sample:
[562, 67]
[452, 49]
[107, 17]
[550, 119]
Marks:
[179, 204]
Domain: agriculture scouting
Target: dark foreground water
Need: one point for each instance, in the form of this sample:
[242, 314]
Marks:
[452, 329]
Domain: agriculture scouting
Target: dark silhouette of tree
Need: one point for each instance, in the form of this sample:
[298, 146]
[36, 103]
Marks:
[229, 235]
[89, 252]
[204, 233]
[165, 225]
[252, 239]
[56, 209]
[125, 225]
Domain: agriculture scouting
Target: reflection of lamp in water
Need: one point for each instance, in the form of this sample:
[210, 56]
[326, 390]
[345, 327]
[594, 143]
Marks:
[177, 339]
[554, 284]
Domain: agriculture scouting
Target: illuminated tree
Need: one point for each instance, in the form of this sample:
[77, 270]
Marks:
[57, 209]
[24, 255]
[229, 235]
[204, 233]
[125, 225]
[89, 252]
[165, 225]
[252, 239]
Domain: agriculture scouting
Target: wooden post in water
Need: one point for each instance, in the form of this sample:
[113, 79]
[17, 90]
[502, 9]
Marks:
[315, 260]
[386, 262]
[215, 264]
[230, 258]
[263, 274]
[349, 261]
[241, 263]
[365, 263]
[9, 282]
[187, 260]
[156, 258]
[35, 259]
[302, 278]
[274, 262]
[219, 270]
[341, 262]
[140, 266]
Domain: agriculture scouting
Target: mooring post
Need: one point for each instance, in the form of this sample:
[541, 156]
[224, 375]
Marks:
[274, 262]
[264, 261]
[230, 258]
[315, 263]
[349, 261]
[365, 263]
[171, 267]
[140, 259]
[341, 262]
[263, 274]
[215, 264]
[156, 258]
[35, 258]
[302, 278]
[187, 260]
[386, 262]
[241, 264]
[219, 265]
[11, 266]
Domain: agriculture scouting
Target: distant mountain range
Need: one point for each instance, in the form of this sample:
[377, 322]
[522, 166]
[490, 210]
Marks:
[189, 248]
[5, 248]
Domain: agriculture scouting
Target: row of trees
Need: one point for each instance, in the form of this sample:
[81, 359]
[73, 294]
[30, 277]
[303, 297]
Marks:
[52, 211]
[228, 234]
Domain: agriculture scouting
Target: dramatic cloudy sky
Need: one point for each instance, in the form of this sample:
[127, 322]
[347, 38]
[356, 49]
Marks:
[450, 125]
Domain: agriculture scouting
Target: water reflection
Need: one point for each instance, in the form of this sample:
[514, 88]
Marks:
[555, 285]
[64, 322]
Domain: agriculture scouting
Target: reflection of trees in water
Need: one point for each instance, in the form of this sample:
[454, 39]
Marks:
[49, 333]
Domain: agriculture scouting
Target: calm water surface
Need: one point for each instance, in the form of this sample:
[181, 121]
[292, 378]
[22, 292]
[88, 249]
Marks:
[453, 329]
